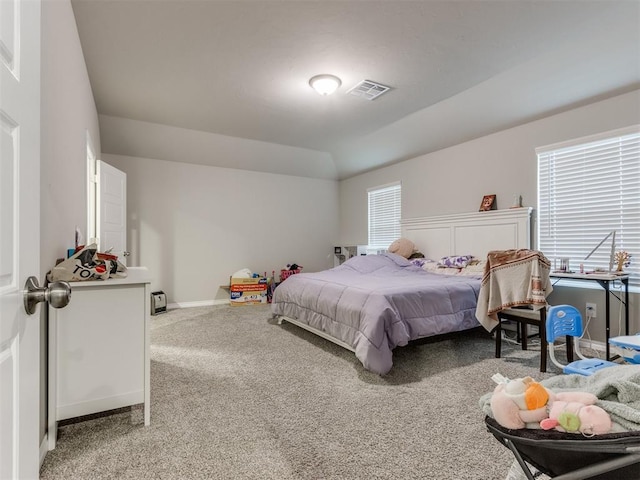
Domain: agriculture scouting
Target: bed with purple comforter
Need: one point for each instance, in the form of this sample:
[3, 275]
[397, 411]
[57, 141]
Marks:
[375, 303]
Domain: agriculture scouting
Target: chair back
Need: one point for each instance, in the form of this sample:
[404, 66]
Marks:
[563, 320]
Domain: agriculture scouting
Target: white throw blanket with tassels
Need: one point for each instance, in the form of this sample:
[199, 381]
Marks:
[512, 278]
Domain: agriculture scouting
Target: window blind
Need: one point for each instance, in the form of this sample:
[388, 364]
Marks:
[587, 189]
[384, 215]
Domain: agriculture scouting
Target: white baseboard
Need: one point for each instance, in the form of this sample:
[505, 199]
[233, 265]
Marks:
[584, 343]
[44, 448]
[592, 344]
[202, 303]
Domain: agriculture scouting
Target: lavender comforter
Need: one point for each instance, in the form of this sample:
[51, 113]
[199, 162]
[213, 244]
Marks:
[378, 302]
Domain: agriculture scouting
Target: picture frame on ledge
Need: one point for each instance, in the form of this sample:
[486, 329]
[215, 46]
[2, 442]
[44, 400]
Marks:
[488, 203]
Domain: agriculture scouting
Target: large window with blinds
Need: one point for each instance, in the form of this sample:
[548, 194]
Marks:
[587, 189]
[384, 215]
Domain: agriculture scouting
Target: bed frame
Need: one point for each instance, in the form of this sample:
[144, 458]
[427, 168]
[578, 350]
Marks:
[470, 233]
[474, 233]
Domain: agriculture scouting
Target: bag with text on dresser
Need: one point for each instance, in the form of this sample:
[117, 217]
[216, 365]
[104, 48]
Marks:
[116, 268]
[87, 264]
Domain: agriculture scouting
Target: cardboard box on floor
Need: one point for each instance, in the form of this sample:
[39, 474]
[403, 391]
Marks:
[248, 291]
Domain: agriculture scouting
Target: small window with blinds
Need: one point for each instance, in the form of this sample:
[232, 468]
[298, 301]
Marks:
[384, 215]
[587, 189]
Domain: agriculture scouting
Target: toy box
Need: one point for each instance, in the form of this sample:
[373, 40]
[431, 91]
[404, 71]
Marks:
[248, 291]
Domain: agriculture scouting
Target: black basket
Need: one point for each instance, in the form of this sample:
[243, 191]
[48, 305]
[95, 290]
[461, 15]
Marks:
[616, 455]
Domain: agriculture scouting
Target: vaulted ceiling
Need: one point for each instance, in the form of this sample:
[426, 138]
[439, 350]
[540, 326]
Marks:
[457, 69]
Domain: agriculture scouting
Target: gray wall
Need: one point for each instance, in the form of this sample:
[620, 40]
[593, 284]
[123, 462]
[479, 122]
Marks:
[191, 225]
[453, 180]
[194, 225]
[68, 112]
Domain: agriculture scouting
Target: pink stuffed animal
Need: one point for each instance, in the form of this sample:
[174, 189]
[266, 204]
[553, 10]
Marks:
[524, 403]
[577, 417]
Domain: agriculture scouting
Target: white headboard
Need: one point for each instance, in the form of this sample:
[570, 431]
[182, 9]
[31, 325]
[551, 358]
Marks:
[470, 233]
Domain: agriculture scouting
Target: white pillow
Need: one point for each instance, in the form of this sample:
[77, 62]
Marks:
[433, 267]
[475, 269]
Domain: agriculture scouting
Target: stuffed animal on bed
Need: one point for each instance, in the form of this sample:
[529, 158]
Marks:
[403, 247]
[577, 417]
[525, 403]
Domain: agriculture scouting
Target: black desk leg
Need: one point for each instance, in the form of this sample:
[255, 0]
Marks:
[626, 305]
[608, 318]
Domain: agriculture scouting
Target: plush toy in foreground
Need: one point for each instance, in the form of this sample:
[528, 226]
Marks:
[525, 403]
[519, 403]
[577, 417]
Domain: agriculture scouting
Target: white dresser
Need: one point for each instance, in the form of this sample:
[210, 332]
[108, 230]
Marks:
[99, 349]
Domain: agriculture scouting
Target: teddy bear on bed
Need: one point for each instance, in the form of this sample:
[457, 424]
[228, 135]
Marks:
[403, 247]
[525, 403]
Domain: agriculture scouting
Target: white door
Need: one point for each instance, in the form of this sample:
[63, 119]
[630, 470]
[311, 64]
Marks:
[112, 210]
[19, 236]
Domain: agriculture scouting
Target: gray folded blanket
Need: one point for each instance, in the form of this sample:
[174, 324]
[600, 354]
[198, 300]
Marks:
[617, 389]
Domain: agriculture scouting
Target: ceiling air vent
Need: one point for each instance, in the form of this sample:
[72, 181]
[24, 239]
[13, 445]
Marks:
[368, 90]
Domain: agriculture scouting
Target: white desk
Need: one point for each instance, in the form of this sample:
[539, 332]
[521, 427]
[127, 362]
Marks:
[604, 280]
[630, 346]
[99, 349]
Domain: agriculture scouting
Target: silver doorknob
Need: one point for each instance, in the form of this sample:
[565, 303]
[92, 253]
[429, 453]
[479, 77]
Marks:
[57, 294]
[126, 254]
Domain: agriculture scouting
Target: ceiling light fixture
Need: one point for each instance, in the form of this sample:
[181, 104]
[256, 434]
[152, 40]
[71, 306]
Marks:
[325, 84]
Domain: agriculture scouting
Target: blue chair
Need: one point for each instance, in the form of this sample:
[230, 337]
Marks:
[565, 320]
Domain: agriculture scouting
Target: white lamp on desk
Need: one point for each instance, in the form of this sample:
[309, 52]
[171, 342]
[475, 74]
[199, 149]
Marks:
[613, 249]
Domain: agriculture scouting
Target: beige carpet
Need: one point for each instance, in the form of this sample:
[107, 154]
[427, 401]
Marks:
[235, 396]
